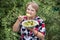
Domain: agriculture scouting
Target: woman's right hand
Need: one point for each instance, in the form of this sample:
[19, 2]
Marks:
[20, 18]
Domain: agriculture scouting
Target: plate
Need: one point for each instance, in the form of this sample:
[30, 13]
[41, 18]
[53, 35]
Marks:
[30, 23]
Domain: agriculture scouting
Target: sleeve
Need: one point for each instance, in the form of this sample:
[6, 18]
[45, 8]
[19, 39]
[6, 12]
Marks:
[42, 28]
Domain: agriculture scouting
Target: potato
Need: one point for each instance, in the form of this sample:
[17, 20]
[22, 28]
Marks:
[30, 23]
[28, 14]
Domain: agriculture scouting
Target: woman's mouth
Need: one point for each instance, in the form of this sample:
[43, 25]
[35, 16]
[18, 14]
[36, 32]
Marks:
[28, 14]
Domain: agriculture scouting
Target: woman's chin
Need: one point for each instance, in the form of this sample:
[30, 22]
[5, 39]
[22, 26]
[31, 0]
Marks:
[29, 16]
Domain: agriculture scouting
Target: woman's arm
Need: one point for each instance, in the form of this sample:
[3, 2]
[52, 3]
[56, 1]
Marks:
[16, 26]
[41, 33]
[38, 34]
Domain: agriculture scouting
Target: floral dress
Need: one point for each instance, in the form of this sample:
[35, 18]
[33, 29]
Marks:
[29, 35]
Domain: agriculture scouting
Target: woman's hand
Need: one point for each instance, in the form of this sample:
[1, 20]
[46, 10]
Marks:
[20, 18]
[29, 28]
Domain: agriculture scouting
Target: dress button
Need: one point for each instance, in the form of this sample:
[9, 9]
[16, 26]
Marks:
[23, 29]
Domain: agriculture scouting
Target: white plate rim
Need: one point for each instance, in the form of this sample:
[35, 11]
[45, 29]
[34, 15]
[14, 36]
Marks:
[30, 20]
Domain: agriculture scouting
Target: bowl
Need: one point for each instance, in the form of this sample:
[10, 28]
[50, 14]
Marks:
[30, 23]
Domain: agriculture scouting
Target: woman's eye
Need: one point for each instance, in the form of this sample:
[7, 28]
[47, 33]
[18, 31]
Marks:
[28, 9]
[32, 10]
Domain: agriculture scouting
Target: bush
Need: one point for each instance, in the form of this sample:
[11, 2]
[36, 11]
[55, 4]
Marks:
[49, 11]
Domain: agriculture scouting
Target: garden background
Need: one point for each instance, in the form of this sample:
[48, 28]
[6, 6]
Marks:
[49, 11]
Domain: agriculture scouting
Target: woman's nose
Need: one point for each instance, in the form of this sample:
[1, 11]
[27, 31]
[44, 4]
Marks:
[29, 11]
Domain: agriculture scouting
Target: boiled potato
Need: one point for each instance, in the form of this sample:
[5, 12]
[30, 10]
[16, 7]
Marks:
[29, 23]
[28, 14]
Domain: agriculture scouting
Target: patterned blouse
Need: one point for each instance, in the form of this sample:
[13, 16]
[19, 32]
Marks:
[29, 35]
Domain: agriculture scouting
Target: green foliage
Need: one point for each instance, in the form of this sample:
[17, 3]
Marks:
[49, 11]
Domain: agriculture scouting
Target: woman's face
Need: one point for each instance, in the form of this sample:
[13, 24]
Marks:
[30, 10]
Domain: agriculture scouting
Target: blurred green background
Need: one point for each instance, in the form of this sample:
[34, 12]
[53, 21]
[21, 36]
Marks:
[49, 11]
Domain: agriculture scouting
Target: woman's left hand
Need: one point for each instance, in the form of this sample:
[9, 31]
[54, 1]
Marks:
[33, 30]
[29, 28]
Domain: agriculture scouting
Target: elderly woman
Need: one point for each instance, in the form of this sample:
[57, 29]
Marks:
[36, 33]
